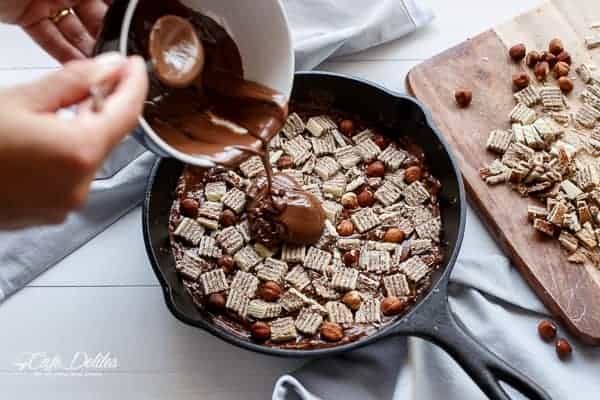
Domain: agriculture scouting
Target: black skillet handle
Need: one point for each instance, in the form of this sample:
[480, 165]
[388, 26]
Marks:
[435, 323]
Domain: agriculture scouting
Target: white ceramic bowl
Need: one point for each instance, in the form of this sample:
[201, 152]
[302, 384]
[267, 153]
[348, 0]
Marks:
[261, 30]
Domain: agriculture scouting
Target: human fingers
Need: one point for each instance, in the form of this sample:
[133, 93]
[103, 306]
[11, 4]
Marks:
[50, 38]
[91, 13]
[76, 33]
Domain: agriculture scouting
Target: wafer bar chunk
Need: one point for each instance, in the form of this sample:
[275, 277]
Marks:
[247, 258]
[392, 157]
[190, 260]
[245, 283]
[214, 281]
[544, 226]
[416, 194]
[345, 279]
[415, 269]
[388, 193]
[568, 241]
[235, 199]
[585, 72]
[362, 136]
[293, 126]
[323, 287]
[498, 141]
[298, 278]
[283, 330]
[317, 259]
[592, 41]
[293, 300]
[292, 253]
[252, 167]
[528, 96]
[570, 189]
[420, 246]
[396, 285]
[548, 129]
[587, 116]
[557, 214]
[230, 239]
[214, 191]
[336, 186]
[326, 167]
[332, 209]
[377, 261]
[522, 114]
[368, 150]
[261, 309]
[338, 313]
[208, 248]
[211, 210]
[272, 270]
[430, 229]
[587, 177]
[298, 149]
[320, 125]
[323, 145]
[532, 138]
[347, 156]
[308, 321]
[369, 312]
[365, 220]
[552, 98]
[189, 230]
[587, 236]
[238, 302]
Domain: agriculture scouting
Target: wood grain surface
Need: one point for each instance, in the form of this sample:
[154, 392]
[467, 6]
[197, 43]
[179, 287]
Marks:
[571, 292]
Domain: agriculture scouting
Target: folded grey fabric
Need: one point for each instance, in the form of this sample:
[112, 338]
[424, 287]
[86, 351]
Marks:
[495, 303]
[321, 29]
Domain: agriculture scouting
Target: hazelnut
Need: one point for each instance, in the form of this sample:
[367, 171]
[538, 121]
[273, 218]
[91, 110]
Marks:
[285, 162]
[350, 258]
[564, 57]
[565, 84]
[547, 330]
[413, 174]
[216, 302]
[350, 201]
[381, 141]
[541, 70]
[561, 69]
[563, 349]
[260, 331]
[228, 218]
[269, 291]
[347, 127]
[549, 58]
[366, 198]
[517, 52]
[394, 235]
[520, 80]
[392, 305]
[352, 299]
[345, 228]
[227, 263]
[463, 97]
[533, 57]
[376, 169]
[556, 46]
[189, 208]
[331, 332]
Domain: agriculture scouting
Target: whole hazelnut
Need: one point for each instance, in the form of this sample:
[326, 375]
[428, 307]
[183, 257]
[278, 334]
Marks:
[563, 349]
[366, 198]
[260, 331]
[345, 228]
[189, 208]
[532, 58]
[392, 305]
[549, 58]
[394, 235]
[216, 301]
[376, 169]
[541, 70]
[413, 174]
[561, 69]
[285, 162]
[517, 52]
[381, 141]
[565, 84]
[350, 258]
[331, 332]
[269, 291]
[547, 330]
[347, 127]
[556, 46]
[463, 97]
[352, 299]
[226, 262]
[228, 218]
[350, 200]
[564, 57]
[520, 80]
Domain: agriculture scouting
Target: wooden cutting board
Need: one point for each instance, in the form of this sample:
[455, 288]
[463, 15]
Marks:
[570, 291]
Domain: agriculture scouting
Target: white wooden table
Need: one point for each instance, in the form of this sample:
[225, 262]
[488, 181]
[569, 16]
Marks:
[104, 298]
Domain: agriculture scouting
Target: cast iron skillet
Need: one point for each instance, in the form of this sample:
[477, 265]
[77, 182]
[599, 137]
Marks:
[431, 317]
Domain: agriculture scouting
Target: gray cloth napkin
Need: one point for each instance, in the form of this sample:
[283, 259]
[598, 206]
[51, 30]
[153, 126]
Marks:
[321, 29]
[493, 300]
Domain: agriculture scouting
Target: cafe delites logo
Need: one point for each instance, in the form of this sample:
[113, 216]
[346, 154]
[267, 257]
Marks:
[79, 363]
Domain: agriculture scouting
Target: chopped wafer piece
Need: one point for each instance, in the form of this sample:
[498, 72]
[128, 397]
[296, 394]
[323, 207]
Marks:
[275, 156]
[362, 136]
[522, 114]
[315, 190]
[292, 253]
[213, 281]
[252, 167]
[375, 261]
[326, 167]
[215, 191]
[396, 285]
[369, 312]
[570, 189]
[356, 183]
[208, 248]
[211, 210]
[230, 239]
[430, 229]
[497, 179]
[498, 141]
[275, 142]
[338, 313]
[347, 156]
[571, 222]
[562, 117]
[397, 178]
[557, 214]
[388, 193]
[345, 279]
[237, 302]
[532, 138]
[586, 73]
[336, 186]
[309, 166]
[365, 220]
[295, 174]
[323, 287]
[349, 243]
[189, 230]
[245, 283]
[308, 321]
[244, 228]
[587, 116]
[583, 211]
[392, 157]
[587, 236]
[578, 257]
[263, 250]
[340, 140]
[592, 41]
[528, 96]
[210, 224]
[247, 258]
[415, 269]
[191, 261]
[534, 212]
[548, 129]
[323, 145]
[416, 194]
[261, 309]
[272, 270]
[283, 330]
[568, 241]
[518, 134]
[293, 300]
[587, 177]
[543, 226]
[298, 278]
[420, 246]
[320, 125]
[293, 126]
[368, 150]
[298, 148]
[552, 98]
[235, 199]
[317, 259]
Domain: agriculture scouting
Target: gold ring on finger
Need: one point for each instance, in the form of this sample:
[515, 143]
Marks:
[62, 14]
